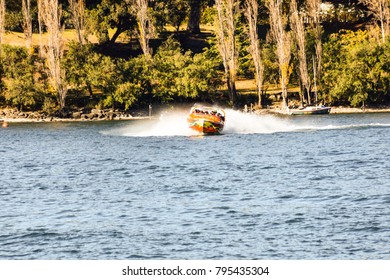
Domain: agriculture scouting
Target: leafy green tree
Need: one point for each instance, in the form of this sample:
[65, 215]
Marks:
[202, 76]
[132, 83]
[110, 14]
[167, 63]
[176, 11]
[114, 79]
[21, 88]
[176, 74]
[356, 69]
[115, 82]
[75, 62]
[104, 76]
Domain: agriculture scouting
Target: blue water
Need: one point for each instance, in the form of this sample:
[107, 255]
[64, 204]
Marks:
[309, 187]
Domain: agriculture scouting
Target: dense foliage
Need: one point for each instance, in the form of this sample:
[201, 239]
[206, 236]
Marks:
[24, 81]
[110, 82]
[108, 74]
[356, 69]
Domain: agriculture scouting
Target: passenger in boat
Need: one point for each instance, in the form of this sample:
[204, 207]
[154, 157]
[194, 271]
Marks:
[219, 115]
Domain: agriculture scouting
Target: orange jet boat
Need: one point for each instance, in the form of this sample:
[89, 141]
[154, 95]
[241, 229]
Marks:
[206, 120]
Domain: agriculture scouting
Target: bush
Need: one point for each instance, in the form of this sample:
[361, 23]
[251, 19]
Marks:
[356, 69]
[21, 87]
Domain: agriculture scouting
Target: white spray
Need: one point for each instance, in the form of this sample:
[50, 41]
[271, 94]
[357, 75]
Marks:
[174, 123]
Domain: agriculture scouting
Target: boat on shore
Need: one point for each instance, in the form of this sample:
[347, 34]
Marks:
[310, 110]
[206, 120]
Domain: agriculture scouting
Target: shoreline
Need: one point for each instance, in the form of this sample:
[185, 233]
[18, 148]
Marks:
[55, 119]
[122, 117]
[333, 111]
[342, 110]
[15, 116]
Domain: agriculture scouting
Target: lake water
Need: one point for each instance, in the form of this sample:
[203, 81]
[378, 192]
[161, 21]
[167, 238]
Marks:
[309, 187]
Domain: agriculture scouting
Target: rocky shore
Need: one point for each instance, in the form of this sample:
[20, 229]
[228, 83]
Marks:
[13, 115]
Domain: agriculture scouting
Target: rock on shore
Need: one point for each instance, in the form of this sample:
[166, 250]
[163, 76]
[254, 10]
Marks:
[13, 115]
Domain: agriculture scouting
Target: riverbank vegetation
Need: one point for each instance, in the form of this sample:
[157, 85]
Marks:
[60, 57]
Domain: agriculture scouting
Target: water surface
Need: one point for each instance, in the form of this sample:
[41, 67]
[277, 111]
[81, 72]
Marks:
[308, 187]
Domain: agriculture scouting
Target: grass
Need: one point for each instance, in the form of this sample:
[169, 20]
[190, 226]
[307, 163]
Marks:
[18, 39]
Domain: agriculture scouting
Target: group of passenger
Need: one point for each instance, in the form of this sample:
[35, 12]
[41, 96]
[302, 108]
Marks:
[211, 113]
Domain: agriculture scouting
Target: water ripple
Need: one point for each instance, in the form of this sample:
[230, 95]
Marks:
[293, 189]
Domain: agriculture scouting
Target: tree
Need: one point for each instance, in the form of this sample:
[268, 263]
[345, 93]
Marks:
[40, 27]
[21, 88]
[110, 14]
[77, 63]
[2, 19]
[181, 75]
[278, 22]
[51, 13]
[380, 9]
[116, 82]
[145, 25]
[105, 76]
[299, 33]
[313, 8]
[27, 22]
[201, 76]
[251, 13]
[227, 13]
[356, 69]
[130, 88]
[194, 17]
[176, 12]
[77, 11]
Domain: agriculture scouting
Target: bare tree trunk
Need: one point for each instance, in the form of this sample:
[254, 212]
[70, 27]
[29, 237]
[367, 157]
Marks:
[251, 13]
[380, 9]
[77, 10]
[314, 8]
[298, 29]
[227, 11]
[40, 27]
[27, 22]
[2, 19]
[194, 19]
[119, 30]
[145, 25]
[283, 44]
[51, 13]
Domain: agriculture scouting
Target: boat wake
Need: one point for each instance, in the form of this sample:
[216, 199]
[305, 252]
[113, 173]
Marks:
[353, 126]
[168, 124]
[173, 123]
[244, 123]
